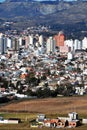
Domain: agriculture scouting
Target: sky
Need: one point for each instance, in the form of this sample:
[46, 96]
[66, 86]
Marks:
[37, 0]
[2, 0]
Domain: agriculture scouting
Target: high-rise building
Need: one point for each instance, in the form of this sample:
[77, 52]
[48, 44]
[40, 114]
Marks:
[15, 44]
[77, 44]
[20, 41]
[41, 40]
[26, 41]
[59, 39]
[23, 41]
[3, 44]
[31, 38]
[84, 43]
[50, 45]
[8, 42]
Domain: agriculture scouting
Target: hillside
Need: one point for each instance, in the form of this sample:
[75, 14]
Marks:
[57, 14]
[61, 12]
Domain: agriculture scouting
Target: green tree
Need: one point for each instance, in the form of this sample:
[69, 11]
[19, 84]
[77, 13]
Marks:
[30, 79]
[43, 93]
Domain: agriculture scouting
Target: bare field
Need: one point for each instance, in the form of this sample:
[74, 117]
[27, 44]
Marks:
[50, 106]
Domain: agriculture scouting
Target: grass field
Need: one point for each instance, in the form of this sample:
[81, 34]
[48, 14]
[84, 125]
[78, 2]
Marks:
[52, 107]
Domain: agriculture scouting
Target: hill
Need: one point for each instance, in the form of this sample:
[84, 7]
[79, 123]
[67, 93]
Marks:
[60, 12]
[57, 14]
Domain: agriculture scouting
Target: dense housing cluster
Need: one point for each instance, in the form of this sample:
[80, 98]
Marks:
[34, 65]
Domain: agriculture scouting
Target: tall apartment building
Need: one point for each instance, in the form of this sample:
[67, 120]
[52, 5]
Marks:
[77, 45]
[41, 40]
[50, 45]
[20, 41]
[26, 41]
[84, 43]
[15, 44]
[8, 42]
[31, 38]
[3, 44]
[59, 39]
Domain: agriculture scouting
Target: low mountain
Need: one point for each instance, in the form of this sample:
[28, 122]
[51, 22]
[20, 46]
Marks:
[56, 12]
[44, 12]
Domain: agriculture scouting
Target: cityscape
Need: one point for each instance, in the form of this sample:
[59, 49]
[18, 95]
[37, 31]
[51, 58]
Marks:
[43, 77]
[34, 62]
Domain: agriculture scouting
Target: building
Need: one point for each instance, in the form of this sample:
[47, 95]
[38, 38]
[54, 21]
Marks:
[59, 39]
[40, 118]
[70, 56]
[64, 49]
[71, 121]
[41, 40]
[3, 44]
[26, 41]
[70, 44]
[8, 42]
[77, 45]
[15, 44]
[20, 41]
[84, 43]
[50, 45]
[31, 38]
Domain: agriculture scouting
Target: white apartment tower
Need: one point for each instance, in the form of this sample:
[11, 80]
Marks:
[20, 41]
[31, 38]
[41, 40]
[77, 45]
[8, 42]
[50, 45]
[84, 43]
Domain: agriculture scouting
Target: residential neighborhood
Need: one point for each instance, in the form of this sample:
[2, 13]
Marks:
[43, 64]
[34, 66]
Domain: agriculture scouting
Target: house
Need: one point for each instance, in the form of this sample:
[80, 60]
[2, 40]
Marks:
[71, 121]
[73, 124]
[40, 118]
[10, 121]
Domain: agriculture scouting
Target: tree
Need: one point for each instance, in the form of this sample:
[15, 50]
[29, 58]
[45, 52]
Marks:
[31, 79]
[65, 89]
[43, 93]
[5, 83]
[53, 93]
[30, 93]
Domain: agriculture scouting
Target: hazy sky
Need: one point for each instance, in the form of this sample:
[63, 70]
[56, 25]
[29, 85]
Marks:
[40, 0]
[2, 0]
